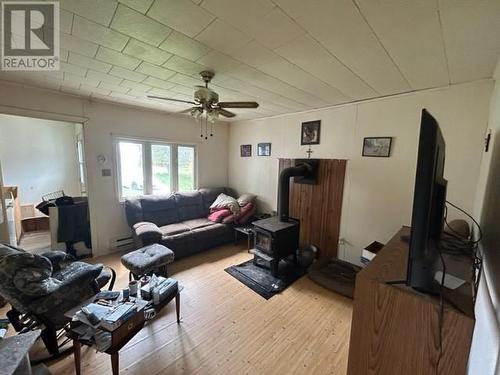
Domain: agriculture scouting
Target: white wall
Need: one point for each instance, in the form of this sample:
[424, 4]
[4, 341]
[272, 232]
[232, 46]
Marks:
[378, 191]
[102, 122]
[39, 156]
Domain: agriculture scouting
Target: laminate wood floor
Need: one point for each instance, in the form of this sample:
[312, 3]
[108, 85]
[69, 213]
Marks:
[228, 329]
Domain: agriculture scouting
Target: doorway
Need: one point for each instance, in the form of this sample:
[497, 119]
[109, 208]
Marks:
[43, 163]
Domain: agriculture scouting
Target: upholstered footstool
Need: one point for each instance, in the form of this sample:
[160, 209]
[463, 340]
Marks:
[148, 259]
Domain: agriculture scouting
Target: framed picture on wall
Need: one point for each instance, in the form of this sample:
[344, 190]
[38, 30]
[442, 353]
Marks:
[246, 151]
[310, 133]
[264, 149]
[377, 147]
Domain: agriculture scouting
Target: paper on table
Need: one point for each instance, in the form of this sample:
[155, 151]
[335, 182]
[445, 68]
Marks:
[450, 281]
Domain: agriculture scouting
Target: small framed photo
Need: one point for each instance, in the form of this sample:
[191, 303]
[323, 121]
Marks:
[264, 149]
[377, 147]
[246, 151]
[310, 134]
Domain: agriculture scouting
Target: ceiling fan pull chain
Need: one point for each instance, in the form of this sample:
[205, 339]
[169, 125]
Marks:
[211, 129]
[201, 127]
[206, 128]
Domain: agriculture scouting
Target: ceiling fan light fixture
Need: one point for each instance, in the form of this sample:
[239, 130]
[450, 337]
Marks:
[196, 112]
[213, 115]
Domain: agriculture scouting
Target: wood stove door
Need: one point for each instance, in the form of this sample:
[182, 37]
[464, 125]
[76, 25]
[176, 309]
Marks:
[263, 241]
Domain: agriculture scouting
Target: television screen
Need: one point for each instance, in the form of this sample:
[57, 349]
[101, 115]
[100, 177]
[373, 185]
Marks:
[428, 206]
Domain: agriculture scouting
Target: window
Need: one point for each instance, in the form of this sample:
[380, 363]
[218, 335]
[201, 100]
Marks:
[153, 167]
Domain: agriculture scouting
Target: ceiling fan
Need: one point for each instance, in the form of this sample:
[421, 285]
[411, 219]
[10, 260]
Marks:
[207, 101]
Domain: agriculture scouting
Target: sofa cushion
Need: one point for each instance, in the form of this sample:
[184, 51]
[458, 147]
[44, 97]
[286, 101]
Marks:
[133, 210]
[161, 209]
[171, 229]
[197, 223]
[189, 205]
[209, 195]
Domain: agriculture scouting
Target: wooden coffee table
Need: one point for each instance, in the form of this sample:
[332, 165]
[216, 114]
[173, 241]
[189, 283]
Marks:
[120, 336]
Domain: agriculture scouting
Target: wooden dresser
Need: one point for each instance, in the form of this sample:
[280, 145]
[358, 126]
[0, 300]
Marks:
[395, 330]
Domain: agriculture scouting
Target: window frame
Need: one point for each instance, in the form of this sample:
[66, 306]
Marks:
[147, 163]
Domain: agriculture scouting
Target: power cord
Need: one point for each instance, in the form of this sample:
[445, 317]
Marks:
[456, 245]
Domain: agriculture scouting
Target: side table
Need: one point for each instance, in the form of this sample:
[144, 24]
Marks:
[246, 230]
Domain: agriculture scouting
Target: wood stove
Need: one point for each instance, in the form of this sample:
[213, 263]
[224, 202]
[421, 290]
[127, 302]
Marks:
[278, 237]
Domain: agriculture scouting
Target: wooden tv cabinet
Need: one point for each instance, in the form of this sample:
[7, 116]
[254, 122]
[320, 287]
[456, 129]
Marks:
[395, 329]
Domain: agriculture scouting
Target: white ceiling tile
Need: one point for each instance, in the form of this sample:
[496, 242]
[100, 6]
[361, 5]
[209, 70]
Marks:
[96, 90]
[260, 19]
[155, 71]
[146, 52]
[340, 28]
[116, 58]
[74, 44]
[182, 65]
[65, 21]
[269, 62]
[257, 92]
[73, 69]
[308, 54]
[158, 83]
[127, 74]
[181, 15]
[138, 26]
[90, 82]
[87, 62]
[104, 77]
[139, 5]
[471, 32]
[265, 81]
[138, 93]
[116, 88]
[93, 32]
[100, 11]
[135, 86]
[223, 37]
[218, 62]
[180, 89]
[161, 92]
[183, 46]
[185, 80]
[412, 38]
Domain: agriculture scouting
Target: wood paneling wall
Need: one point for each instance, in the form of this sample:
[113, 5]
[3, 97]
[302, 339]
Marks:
[319, 207]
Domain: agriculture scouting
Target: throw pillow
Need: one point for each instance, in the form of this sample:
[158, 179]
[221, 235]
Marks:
[246, 198]
[225, 201]
[228, 219]
[219, 215]
[245, 213]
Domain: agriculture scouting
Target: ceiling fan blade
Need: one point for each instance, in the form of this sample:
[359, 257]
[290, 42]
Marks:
[225, 113]
[188, 110]
[238, 104]
[171, 99]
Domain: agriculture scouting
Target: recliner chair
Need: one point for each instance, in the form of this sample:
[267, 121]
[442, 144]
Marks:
[42, 288]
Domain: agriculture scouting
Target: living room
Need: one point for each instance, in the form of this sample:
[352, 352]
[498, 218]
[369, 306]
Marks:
[351, 71]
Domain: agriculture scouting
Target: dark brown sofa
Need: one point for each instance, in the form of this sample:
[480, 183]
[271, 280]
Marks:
[178, 221]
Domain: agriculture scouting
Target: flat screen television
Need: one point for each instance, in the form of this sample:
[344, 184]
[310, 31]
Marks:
[428, 206]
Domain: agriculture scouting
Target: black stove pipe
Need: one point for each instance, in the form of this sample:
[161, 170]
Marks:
[301, 170]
